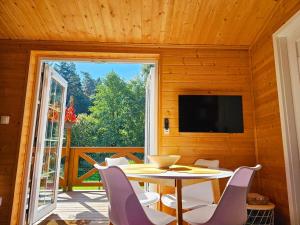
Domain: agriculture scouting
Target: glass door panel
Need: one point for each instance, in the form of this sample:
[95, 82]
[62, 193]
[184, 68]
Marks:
[48, 145]
[51, 146]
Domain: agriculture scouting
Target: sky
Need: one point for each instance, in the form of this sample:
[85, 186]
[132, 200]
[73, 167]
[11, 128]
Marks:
[97, 69]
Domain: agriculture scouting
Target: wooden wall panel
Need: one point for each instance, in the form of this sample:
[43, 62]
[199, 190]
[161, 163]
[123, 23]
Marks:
[210, 71]
[13, 64]
[206, 72]
[267, 119]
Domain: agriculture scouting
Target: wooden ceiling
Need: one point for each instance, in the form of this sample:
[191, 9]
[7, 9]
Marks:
[205, 22]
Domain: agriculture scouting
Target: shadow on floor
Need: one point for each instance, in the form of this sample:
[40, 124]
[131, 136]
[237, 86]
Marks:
[79, 208]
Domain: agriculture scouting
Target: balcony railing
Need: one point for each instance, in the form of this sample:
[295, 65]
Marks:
[77, 163]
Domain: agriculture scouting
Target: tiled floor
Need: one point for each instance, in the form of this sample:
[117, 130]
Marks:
[80, 208]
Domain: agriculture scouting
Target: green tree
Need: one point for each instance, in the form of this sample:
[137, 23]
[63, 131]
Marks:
[85, 132]
[68, 71]
[136, 112]
[98, 81]
[88, 84]
[110, 106]
[117, 114]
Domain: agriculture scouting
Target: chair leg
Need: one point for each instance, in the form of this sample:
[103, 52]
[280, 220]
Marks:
[160, 203]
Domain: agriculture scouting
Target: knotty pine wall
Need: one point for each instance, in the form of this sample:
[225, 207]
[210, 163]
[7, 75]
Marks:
[268, 129]
[13, 67]
[206, 72]
[182, 71]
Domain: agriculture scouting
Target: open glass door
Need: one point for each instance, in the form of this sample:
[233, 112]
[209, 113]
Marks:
[151, 99]
[151, 115]
[48, 145]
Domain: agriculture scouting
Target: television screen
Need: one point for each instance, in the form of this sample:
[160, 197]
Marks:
[211, 113]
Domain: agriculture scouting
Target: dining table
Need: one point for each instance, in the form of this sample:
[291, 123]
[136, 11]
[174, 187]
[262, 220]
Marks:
[177, 176]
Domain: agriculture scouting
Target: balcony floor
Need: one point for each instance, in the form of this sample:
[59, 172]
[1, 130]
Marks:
[79, 207]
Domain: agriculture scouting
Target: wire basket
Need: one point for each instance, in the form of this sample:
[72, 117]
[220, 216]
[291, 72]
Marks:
[260, 214]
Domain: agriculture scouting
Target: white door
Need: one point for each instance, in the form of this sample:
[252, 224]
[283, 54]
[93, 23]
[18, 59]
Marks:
[297, 86]
[48, 145]
[293, 52]
[151, 120]
[151, 115]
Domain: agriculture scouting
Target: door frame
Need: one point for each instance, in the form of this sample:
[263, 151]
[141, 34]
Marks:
[28, 124]
[284, 73]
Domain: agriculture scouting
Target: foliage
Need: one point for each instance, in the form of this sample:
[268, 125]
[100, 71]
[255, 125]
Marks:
[117, 115]
[136, 112]
[116, 119]
[88, 84]
[110, 106]
[85, 132]
[110, 111]
[68, 71]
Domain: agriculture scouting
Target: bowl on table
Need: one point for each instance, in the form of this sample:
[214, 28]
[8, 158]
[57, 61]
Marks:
[163, 161]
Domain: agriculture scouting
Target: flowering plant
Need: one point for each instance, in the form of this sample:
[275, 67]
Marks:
[53, 115]
[70, 116]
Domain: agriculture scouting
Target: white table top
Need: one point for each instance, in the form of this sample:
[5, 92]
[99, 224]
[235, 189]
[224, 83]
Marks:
[223, 173]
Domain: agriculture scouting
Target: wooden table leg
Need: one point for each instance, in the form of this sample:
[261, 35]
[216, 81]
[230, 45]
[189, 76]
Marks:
[216, 190]
[178, 191]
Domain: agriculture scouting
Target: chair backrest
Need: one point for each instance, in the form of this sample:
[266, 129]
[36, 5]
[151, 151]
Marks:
[116, 161]
[125, 208]
[123, 161]
[100, 168]
[232, 208]
[212, 164]
[202, 191]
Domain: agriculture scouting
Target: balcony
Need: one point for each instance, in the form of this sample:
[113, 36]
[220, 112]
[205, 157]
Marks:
[77, 164]
[82, 198]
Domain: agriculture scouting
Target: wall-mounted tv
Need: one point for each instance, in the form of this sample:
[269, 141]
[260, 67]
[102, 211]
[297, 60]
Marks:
[210, 113]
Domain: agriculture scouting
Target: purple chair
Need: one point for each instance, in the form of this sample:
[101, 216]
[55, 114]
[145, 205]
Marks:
[146, 198]
[124, 207]
[232, 208]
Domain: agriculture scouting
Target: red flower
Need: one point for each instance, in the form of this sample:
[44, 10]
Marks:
[53, 115]
[70, 115]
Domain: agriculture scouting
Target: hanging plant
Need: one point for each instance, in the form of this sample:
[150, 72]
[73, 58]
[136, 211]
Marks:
[53, 115]
[70, 116]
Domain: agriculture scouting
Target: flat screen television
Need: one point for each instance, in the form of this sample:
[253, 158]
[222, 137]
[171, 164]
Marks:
[211, 113]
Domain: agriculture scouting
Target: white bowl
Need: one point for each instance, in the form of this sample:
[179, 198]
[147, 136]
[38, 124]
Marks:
[164, 161]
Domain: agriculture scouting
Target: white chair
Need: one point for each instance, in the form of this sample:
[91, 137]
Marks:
[195, 195]
[146, 198]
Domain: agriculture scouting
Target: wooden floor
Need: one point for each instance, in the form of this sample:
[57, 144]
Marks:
[79, 207]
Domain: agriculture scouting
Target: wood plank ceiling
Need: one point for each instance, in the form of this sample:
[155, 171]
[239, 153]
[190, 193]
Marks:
[205, 22]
